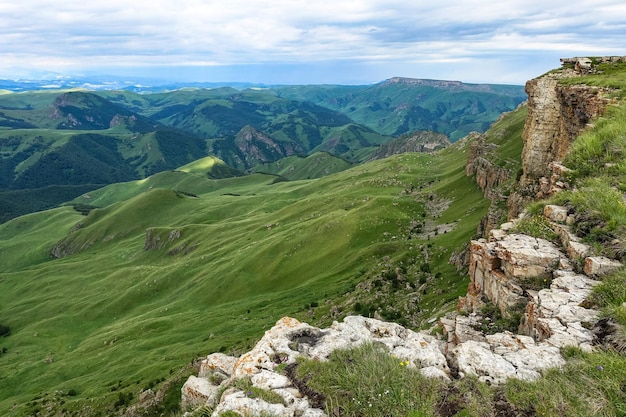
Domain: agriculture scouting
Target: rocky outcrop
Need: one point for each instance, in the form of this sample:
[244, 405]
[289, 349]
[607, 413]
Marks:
[254, 147]
[488, 176]
[493, 358]
[510, 270]
[286, 341]
[557, 114]
[420, 141]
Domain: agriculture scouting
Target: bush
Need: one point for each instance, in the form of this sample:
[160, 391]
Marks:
[4, 330]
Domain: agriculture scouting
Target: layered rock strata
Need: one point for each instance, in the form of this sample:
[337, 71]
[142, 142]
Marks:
[557, 114]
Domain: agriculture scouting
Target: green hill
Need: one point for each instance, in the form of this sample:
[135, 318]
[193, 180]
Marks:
[315, 165]
[76, 139]
[289, 127]
[179, 264]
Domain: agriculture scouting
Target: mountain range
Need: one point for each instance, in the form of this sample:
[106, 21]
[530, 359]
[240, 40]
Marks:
[108, 299]
[76, 140]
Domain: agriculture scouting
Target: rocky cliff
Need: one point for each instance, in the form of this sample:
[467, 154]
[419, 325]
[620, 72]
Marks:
[557, 114]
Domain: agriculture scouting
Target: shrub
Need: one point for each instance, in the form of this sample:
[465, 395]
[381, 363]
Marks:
[4, 330]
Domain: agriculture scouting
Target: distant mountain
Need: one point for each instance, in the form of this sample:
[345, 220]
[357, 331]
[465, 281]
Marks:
[81, 139]
[315, 165]
[400, 105]
[219, 115]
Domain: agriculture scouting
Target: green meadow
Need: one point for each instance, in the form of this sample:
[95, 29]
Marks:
[178, 265]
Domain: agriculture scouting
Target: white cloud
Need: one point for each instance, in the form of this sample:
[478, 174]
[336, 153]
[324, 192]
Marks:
[86, 35]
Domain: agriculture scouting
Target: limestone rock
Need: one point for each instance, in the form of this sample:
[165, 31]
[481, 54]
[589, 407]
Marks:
[239, 402]
[555, 213]
[525, 256]
[217, 362]
[557, 315]
[198, 391]
[599, 265]
[273, 348]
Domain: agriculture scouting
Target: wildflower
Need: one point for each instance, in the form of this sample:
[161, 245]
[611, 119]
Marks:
[250, 393]
[600, 368]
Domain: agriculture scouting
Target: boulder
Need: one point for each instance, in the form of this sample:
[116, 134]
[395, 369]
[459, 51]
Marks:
[197, 392]
[597, 266]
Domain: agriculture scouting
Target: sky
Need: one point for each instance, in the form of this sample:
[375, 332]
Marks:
[304, 42]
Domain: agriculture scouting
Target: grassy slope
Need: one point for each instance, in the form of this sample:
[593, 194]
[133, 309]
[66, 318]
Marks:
[294, 167]
[590, 383]
[115, 316]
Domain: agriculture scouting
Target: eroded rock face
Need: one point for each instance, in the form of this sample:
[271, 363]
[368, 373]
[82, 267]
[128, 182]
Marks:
[557, 114]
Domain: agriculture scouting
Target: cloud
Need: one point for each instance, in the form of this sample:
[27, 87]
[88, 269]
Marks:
[90, 35]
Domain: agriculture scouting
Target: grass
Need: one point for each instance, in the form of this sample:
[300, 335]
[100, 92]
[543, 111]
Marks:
[111, 317]
[538, 226]
[610, 296]
[367, 381]
[608, 75]
[589, 385]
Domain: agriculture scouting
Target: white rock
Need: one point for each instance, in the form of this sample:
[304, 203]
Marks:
[198, 391]
[476, 358]
[239, 402]
[273, 348]
[270, 380]
[599, 265]
[577, 250]
[217, 362]
[555, 213]
[434, 372]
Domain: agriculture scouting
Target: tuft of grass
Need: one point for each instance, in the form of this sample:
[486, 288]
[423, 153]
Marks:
[590, 384]
[600, 214]
[610, 296]
[367, 381]
[536, 225]
[245, 385]
[601, 150]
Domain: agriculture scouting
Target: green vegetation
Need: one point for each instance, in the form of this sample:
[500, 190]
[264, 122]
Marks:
[536, 225]
[294, 168]
[589, 385]
[179, 265]
[452, 108]
[367, 381]
[610, 296]
[607, 75]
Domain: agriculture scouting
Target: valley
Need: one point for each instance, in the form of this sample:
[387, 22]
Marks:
[201, 247]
